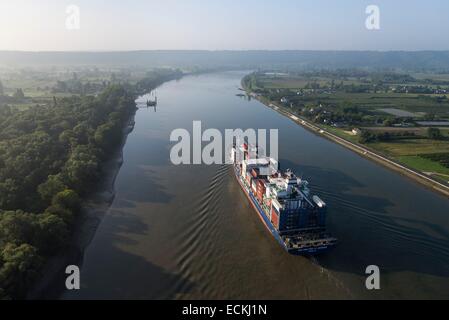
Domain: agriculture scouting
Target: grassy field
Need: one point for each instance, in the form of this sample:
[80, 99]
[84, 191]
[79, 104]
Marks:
[373, 102]
[409, 152]
[294, 83]
[424, 165]
[409, 149]
[341, 133]
[38, 85]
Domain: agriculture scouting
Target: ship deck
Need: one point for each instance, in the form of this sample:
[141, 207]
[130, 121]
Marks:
[297, 242]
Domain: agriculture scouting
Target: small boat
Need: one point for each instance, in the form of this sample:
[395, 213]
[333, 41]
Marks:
[152, 103]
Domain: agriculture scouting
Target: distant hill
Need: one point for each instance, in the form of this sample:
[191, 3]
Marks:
[419, 60]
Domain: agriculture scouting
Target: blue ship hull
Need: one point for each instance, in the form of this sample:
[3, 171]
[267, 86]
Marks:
[270, 227]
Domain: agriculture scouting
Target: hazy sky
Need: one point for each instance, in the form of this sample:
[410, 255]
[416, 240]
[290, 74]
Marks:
[224, 24]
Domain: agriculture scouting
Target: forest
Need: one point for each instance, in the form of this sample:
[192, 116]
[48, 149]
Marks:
[50, 159]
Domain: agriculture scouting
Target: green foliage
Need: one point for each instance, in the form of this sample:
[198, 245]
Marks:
[49, 155]
[81, 170]
[107, 135]
[384, 136]
[46, 231]
[434, 133]
[20, 267]
[388, 122]
[19, 95]
[39, 143]
[52, 186]
[68, 199]
[17, 227]
[62, 212]
[328, 92]
[442, 158]
[76, 86]
[53, 233]
[366, 136]
[155, 78]
[251, 82]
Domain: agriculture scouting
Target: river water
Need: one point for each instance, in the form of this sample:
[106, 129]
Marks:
[180, 232]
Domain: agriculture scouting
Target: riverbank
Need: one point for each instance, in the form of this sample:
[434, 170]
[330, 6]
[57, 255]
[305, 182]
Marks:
[92, 212]
[361, 150]
[52, 277]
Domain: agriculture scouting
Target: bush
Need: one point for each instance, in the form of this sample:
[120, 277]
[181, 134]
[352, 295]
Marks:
[67, 199]
[64, 213]
[434, 133]
[51, 187]
[21, 265]
[17, 227]
[53, 233]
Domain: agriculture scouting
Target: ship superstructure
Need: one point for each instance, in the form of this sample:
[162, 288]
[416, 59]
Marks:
[283, 202]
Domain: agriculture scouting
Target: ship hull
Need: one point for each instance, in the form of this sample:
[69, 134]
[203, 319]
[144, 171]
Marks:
[270, 227]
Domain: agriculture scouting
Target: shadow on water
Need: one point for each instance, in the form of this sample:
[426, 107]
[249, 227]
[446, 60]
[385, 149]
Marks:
[142, 186]
[122, 203]
[144, 280]
[370, 233]
[147, 150]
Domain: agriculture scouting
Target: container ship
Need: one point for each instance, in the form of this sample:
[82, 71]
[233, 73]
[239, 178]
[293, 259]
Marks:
[283, 203]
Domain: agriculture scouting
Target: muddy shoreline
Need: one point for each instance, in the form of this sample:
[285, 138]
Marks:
[94, 208]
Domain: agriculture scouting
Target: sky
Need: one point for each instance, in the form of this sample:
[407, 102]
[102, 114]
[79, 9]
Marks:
[116, 25]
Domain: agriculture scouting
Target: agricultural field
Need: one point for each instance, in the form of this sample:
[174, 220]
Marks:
[28, 87]
[385, 109]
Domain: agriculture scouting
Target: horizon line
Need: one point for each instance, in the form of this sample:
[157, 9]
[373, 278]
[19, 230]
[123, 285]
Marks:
[218, 50]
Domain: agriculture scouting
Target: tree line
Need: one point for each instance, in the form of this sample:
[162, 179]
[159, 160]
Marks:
[50, 158]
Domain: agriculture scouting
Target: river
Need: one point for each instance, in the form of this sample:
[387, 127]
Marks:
[188, 232]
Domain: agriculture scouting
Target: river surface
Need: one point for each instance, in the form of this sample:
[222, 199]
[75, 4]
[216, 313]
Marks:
[188, 232]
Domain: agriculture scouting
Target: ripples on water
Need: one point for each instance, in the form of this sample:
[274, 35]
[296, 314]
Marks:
[198, 239]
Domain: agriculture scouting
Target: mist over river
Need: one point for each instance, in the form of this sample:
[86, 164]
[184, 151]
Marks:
[188, 232]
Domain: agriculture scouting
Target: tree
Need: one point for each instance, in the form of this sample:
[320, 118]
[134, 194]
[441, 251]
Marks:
[16, 227]
[19, 95]
[48, 156]
[68, 138]
[53, 233]
[21, 264]
[108, 135]
[434, 133]
[366, 137]
[2, 89]
[64, 213]
[67, 199]
[81, 169]
[51, 187]
[388, 122]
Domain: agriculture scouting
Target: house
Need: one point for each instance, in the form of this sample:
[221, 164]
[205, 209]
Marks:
[356, 131]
